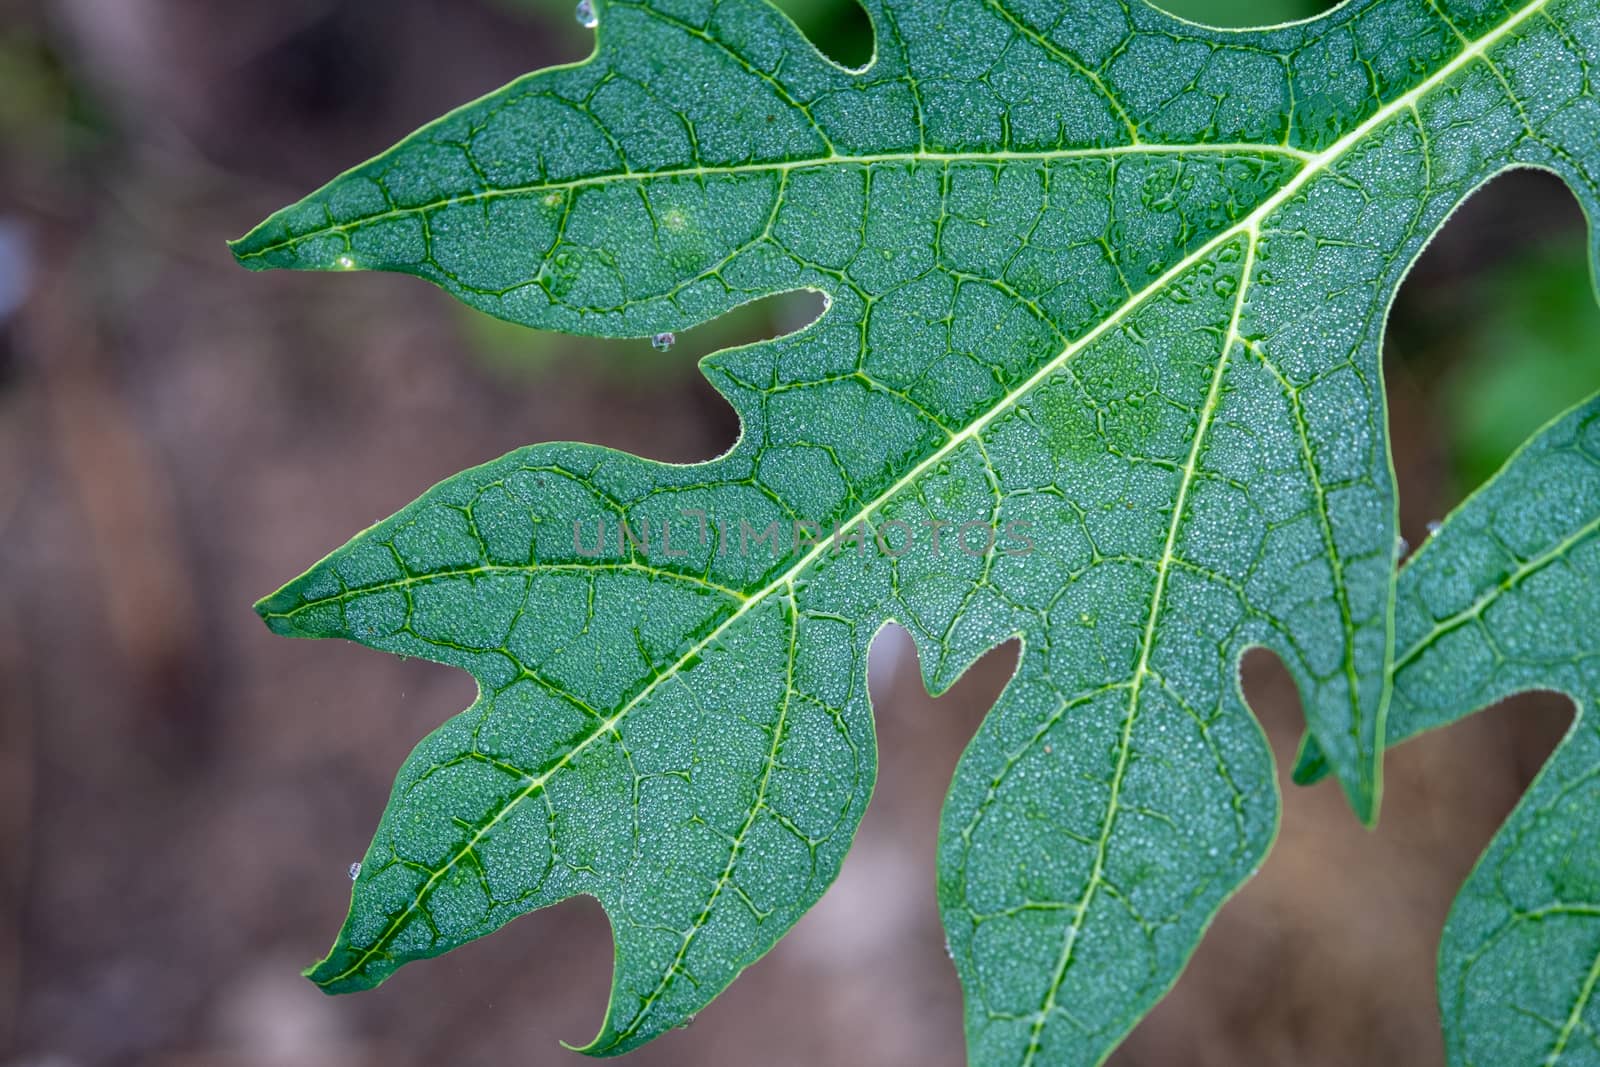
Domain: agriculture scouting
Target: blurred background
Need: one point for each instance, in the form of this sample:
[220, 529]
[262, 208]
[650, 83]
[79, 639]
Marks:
[181, 793]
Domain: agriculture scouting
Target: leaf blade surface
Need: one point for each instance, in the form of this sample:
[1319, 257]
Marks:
[1112, 277]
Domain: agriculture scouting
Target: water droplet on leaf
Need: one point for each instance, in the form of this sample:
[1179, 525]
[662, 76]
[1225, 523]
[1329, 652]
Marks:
[355, 870]
[585, 14]
[661, 342]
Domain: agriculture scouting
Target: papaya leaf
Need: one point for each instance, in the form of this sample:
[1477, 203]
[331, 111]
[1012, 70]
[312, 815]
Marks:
[1098, 370]
[1502, 600]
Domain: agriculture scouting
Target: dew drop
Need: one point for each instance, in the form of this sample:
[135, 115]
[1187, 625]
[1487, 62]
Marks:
[585, 14]
[661, 342]
[346, 262]
[355, 870]
[1434, 525]
[1402, 546]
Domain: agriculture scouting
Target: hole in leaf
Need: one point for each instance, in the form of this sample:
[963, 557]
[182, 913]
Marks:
[893, 666]
[920, 737]
[1494, 332]
[1448, 791]
[1341, 926]
[627, 393]
[853, 934]
[840, 29]
[1270, 693]
[1244, 14]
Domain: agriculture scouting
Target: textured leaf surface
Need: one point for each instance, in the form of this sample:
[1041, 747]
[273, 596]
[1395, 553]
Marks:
[1104, 299]
[1502, 600]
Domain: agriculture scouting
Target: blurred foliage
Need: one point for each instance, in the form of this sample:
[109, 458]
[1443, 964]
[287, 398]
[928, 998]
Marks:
[839, 28]
[36, 91]
[1532, 348]
[1238, 14]
[44, 113]
[510, 349]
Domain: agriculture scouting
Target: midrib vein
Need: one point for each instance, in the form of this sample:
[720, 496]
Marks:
[1242, 148]
[519, 569]
[1250, 224]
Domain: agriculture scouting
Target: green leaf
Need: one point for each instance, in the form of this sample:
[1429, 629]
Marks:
[1105, 294]
[1502, 600]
